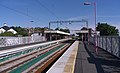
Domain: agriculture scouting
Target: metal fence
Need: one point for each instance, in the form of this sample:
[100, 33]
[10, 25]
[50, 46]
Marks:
[108, 43]
[10, 41]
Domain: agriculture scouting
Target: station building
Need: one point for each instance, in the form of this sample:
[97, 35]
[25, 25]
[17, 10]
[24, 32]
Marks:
[85, 34]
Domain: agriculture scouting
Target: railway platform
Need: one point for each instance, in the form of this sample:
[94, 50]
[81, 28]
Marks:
[82, 58]
[66, 63]
[88, 61]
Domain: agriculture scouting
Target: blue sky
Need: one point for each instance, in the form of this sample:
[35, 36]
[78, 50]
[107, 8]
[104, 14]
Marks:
[107, 11]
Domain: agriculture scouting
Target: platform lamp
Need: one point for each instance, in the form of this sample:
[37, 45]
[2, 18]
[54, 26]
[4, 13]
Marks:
[94, 4]
[29, 33]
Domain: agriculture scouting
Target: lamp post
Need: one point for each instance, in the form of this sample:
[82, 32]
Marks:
[94, 4]
[50, 38]
[29, 33]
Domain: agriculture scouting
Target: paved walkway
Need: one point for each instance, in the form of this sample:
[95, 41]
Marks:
[82, 63]
[88, 61]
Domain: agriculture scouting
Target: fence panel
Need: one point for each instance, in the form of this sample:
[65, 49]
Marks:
[109, 43]
[115, 46]
[10, 41]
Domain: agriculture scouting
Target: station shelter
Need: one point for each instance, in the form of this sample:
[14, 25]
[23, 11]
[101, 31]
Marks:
[86, 34]
[55, 35]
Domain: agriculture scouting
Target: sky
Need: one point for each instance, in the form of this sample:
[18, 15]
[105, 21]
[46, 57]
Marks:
[21, 12]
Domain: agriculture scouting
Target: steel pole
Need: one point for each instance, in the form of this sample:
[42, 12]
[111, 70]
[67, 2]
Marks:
[50, 30]
[96, 49]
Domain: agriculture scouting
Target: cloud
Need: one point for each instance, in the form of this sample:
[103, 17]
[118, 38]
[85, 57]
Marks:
[78, 18]
[89, 17]
[108, 16]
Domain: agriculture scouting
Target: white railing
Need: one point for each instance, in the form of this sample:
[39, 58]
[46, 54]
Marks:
[10, 41]
[38, 45]
[108, 43]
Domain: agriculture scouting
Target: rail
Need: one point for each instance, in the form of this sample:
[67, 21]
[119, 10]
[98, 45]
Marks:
[8, 65]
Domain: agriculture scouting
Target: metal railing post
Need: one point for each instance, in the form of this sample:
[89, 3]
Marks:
[106, 43]
[119, 47]
[102, 42]
[111, 45]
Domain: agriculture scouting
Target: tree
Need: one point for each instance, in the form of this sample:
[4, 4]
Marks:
[107, 30]
[21, 31]
[57, 29]
[37, 29]
[65, 30]
[7, 34]
[84, 28]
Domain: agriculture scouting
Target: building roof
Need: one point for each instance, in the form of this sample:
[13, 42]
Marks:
[12, 30]
[86, 31]
[57, 32]
[6, 27]
[9, 29]
[82, 31]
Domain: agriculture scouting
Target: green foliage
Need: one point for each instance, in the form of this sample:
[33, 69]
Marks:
[57, 29]
[21, 31]
[7, 34]
[84, 28]
[38, 29]
[65, 30]
[107, 30]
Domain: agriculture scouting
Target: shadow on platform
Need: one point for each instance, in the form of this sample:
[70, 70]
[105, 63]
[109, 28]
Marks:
[103, 61]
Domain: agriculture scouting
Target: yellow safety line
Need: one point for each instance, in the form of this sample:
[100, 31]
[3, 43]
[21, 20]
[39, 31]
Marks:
[75, 57]
[74, 54]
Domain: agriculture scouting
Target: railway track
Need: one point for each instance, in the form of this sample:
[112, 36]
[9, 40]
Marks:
[8, 65]
[31, 61]
[15, 54]
[42, 68]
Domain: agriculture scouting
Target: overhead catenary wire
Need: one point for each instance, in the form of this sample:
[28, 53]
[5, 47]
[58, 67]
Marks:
[17, 11]
[51, 12]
